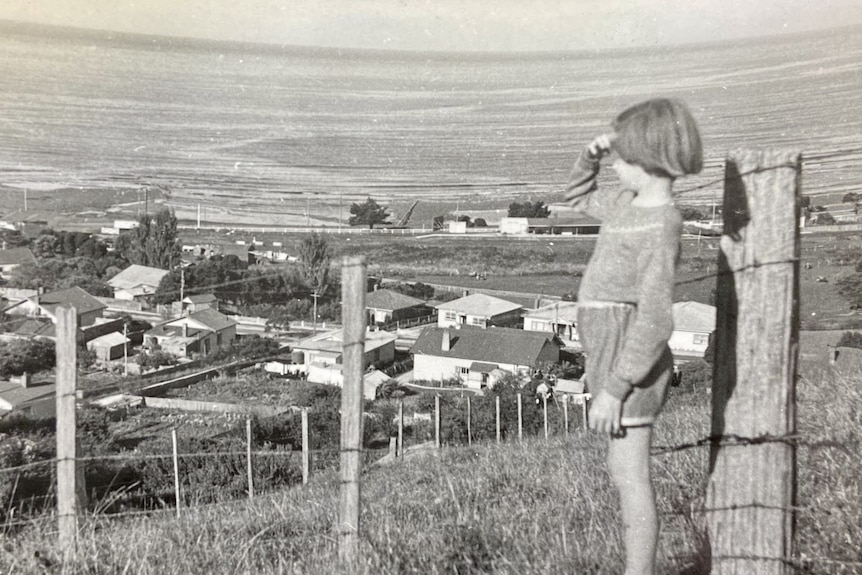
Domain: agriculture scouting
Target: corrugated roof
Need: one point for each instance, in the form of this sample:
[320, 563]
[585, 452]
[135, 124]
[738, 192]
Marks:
[561, 310]
[137, 275]
[74, 296]
[480, 304]
[390, 300]
[200, 298]
[16, 256]
[212, 319]
[693, 316]
[492, 345]
[109, 339]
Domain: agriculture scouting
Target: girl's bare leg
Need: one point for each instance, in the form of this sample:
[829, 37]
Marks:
[628, 463]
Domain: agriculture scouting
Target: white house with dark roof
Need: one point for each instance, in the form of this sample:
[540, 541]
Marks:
[479, 310]
[560, 317]
[384, 306]
[14, 257]
[473, 354]
[200, 332]
[693, 324]
[87, 307]
[136, 282]
[320, 356]
[198, 302]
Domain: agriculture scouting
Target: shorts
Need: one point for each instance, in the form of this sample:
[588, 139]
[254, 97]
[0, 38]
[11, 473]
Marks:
[602, 328]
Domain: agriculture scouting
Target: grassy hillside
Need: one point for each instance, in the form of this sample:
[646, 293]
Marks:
[537, 507]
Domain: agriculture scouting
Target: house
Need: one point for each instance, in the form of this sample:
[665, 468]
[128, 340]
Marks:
[12, 258]
[479, 310]
[384, 306]
[87, 307]
[693, 323]
[136, 282]
[200, 332]
[473, 354]
[198, 302]
[559, 317]
[573, 225]
[21, 394]
[320, 356]
[109, 347]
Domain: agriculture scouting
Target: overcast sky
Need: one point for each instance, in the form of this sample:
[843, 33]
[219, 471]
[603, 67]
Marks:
[486, 25]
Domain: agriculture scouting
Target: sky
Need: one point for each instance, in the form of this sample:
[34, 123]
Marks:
[449, 25]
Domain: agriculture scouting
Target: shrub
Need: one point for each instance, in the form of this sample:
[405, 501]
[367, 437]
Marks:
[851, 339]
[30, 356]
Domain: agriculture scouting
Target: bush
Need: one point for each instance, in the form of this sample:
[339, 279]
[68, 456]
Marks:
[851, 339]
[155, 359]
[29, 356]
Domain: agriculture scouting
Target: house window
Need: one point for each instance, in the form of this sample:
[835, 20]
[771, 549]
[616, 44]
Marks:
[477, 321]
[464, 370]
[701, 339]
[450, 316]
[537, 325]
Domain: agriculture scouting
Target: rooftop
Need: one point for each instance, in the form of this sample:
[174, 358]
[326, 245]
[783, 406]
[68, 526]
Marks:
[390, 300]
[137, 275]
[480, 304]
[492, 345]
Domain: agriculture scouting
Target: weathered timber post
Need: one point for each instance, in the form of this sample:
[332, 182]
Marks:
[469, 422]
[545, 413]
[353, 273]
[751, 491]
[70, 486]
[399, 451]
[566, 415]
[306, 447]
[520, 418]
[497, 405]
[249, 464]
[176, 460]
[437, 421]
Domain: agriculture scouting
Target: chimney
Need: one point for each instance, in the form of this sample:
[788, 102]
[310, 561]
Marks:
[25, 380]
[447, 340]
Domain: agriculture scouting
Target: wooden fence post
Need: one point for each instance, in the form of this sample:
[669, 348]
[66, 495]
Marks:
[497, 403]
[176, 459]
[353, 277]
[751, 490]
[67, 474]
[399, 451]
[545, 412]
[469, 422]
[566, 415]
[437, 421]
[306, 448]
[520, 417]
[248, 458]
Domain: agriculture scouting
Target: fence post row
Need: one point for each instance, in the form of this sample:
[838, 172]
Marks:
[354, 270]
[751, 488]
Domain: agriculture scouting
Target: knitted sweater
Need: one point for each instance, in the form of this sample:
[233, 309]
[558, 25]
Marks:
[634, 262]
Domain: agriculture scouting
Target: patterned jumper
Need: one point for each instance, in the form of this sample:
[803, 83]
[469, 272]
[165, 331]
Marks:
[626, 294]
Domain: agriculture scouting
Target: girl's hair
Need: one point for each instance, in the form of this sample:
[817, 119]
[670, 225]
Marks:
[661, 137]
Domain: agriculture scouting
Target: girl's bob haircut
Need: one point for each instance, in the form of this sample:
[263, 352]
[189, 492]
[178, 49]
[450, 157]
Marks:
[661, 137]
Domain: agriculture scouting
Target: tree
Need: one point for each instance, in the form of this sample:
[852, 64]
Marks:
[849, 198]
[690, 213]
[369, 213]
[528, 210]
[315, 259]
[153, 242]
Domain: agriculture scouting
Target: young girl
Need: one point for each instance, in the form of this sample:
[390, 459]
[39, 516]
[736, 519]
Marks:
[626, 294]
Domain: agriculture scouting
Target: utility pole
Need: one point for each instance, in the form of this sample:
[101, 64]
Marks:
[182, 282]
